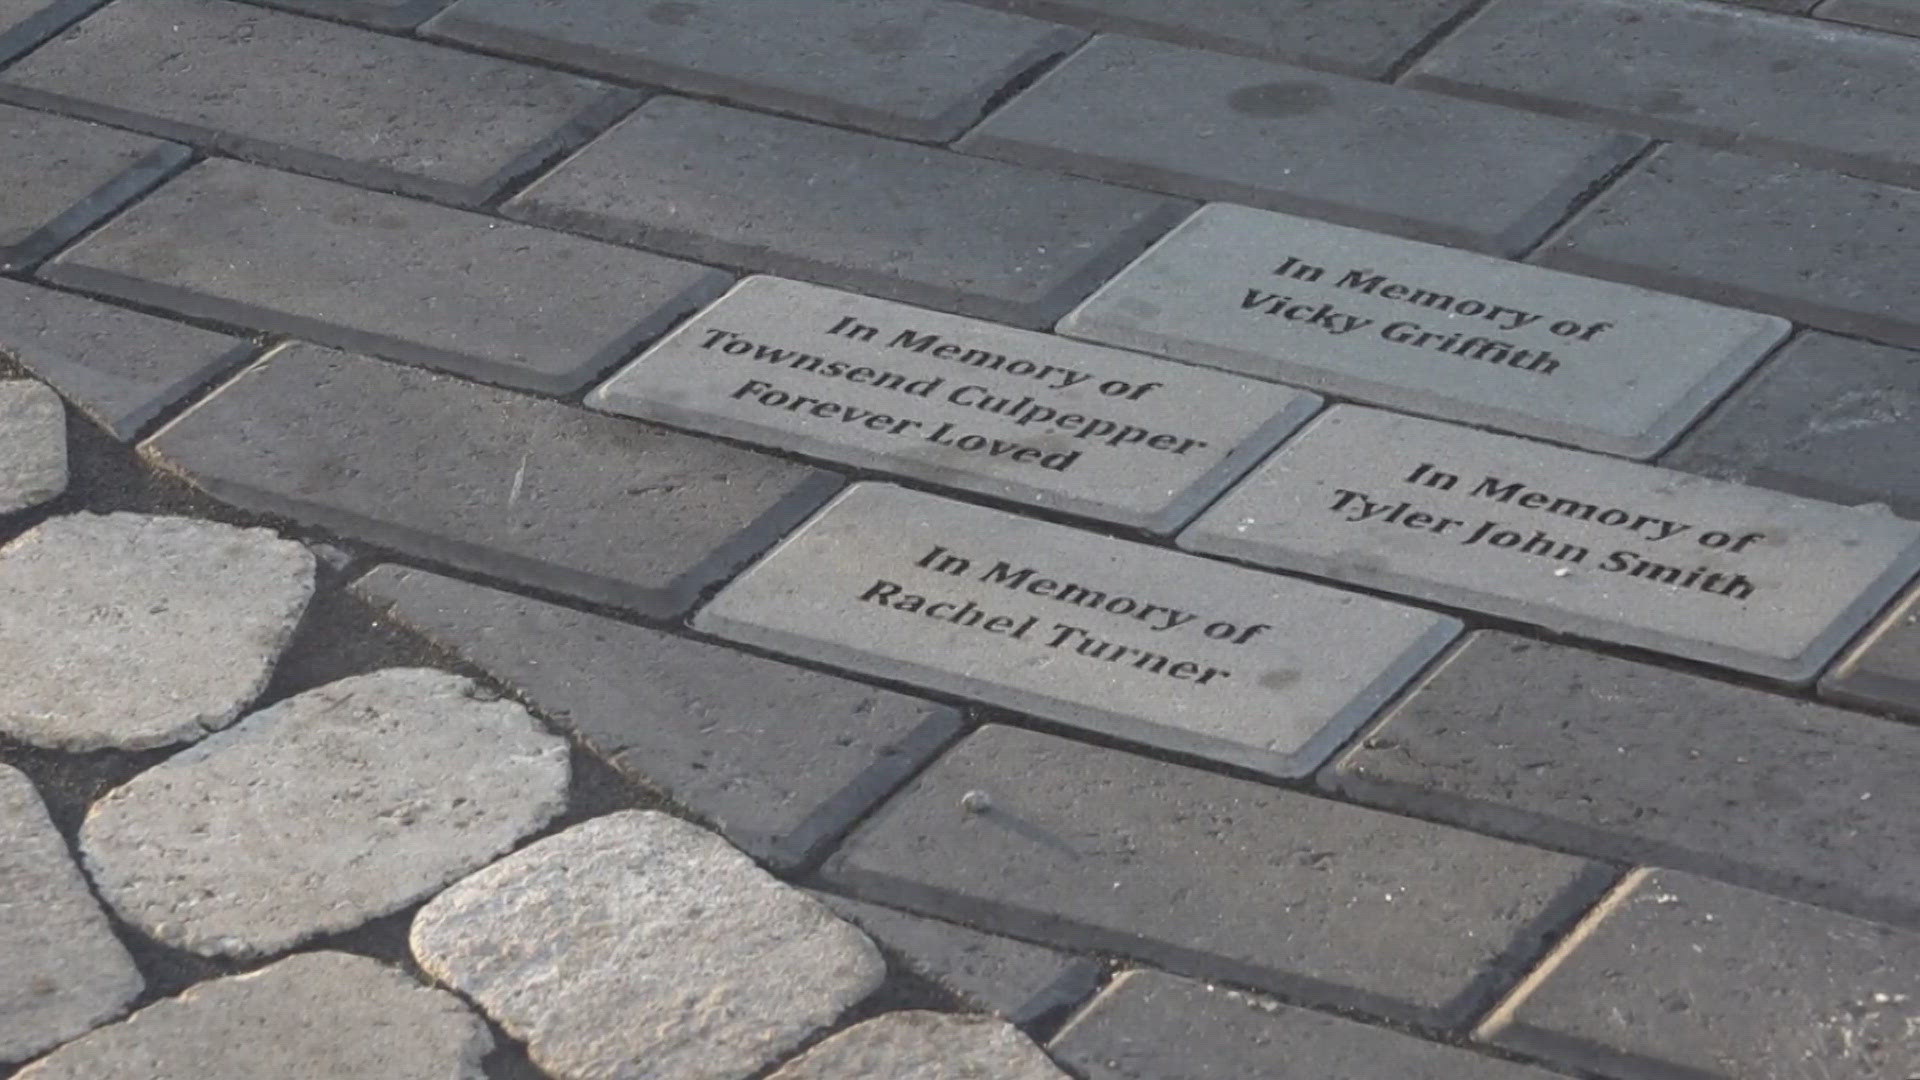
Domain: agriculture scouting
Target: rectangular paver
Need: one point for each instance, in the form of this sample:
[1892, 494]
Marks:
[386, 275]
[385, 14]
[919, 69]
[26, 23]
[1816, 247]
[62, 175]
[779, 758]
[1151, 645]
[1883, 670]
[1628, 761]
[1429, 329]
[1212, 876]
[1898, 16]
[910, 223]
[1680, 978]
[518, 487]
[958, 402]
[1767, 84]
[1210, 126]
[1579, 543]
[314, 96]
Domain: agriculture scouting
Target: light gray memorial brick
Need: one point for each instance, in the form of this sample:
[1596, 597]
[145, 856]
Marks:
[33, 445]
[779, 758]
[65, 971]
[1676, 977]
[924, 1046]
[1898, 16]
[1759, 83]
[1150, 1025]
[1575, 542]
[117, 366]
[518, 487]
[909, 223]
[321, 1014]
[26, 23]
[1828, 417]
[918, 69]
[130, 631]
[1429, 329]
[1150, 645]
[1816, 247]
[62, 175]
[381, 274]
[637, 944]
[316, 814]
[958, 402]
[1209, 126]
[385, 14]
[1212, 876]
[1883, 670]
[1360, 37]
[313, 96]
[1638, 763]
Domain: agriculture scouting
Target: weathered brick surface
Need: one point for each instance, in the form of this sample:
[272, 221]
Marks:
[313, 96]
[385, 14]
[919, 69]
[1817, 247]
[1212, 876]
[26, 23]
[1209, 126]
[1637, 763]
[1898, 16]
[1765, 84]
[1883, 670]
[61, 175]
[1677, 977]
[526, 489]
[905, 222]
[386, 275]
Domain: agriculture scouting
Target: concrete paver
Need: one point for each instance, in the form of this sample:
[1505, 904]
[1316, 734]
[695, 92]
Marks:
[26, 23]
[62, 175]
[1883, 669]
[924, 1046]
[33, 445]
[1898, 16]
[384, 14]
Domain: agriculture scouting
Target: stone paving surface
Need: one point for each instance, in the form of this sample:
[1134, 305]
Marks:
[923, 538]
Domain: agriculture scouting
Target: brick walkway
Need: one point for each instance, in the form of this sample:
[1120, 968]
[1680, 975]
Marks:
[1118, 539]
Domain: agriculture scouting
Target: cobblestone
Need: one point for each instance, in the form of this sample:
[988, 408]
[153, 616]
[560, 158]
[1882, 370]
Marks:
[63, 175]
[924, 1046]
[33, 445]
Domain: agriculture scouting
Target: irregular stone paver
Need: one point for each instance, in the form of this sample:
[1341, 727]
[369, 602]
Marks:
[637, 945]
[1828, 417]
[64, 969]
[779, 758]
[1883, 670]
[33, 445]
[385, 275]
[1678, 976]
[1209, 126]
[132, 631]
[1899, 16]
[1763, 84]
[385, 14]
[119, 367]
[313, 96]
[909, 223]
[1150, 1025]
[1816, 247]
[924, 1046]
[919, 69]
[26, 23]
[519, 487]
[61, 175]
[1641, 764]
[1015, 979]
[1212, 876]
[323, 1014]
[318, 813]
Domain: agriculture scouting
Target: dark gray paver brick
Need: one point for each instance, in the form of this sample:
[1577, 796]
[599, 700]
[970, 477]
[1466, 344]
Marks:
[386, 275]
[1828, 417]
[909, 223]
[313, 96]
[1153, 1026]
[385, 14]
[1899, 16]
[1637, 763]
[1361, 37]
[61, 175]
[1704, 72]
[119, 367]
[1015, 979]
[1098, 849]
[1209, 126]
[1676, 977]
[1883, 670]
[920, 69]
[523, 488]
[781, 759]
[26, 23]
[1816, 247]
